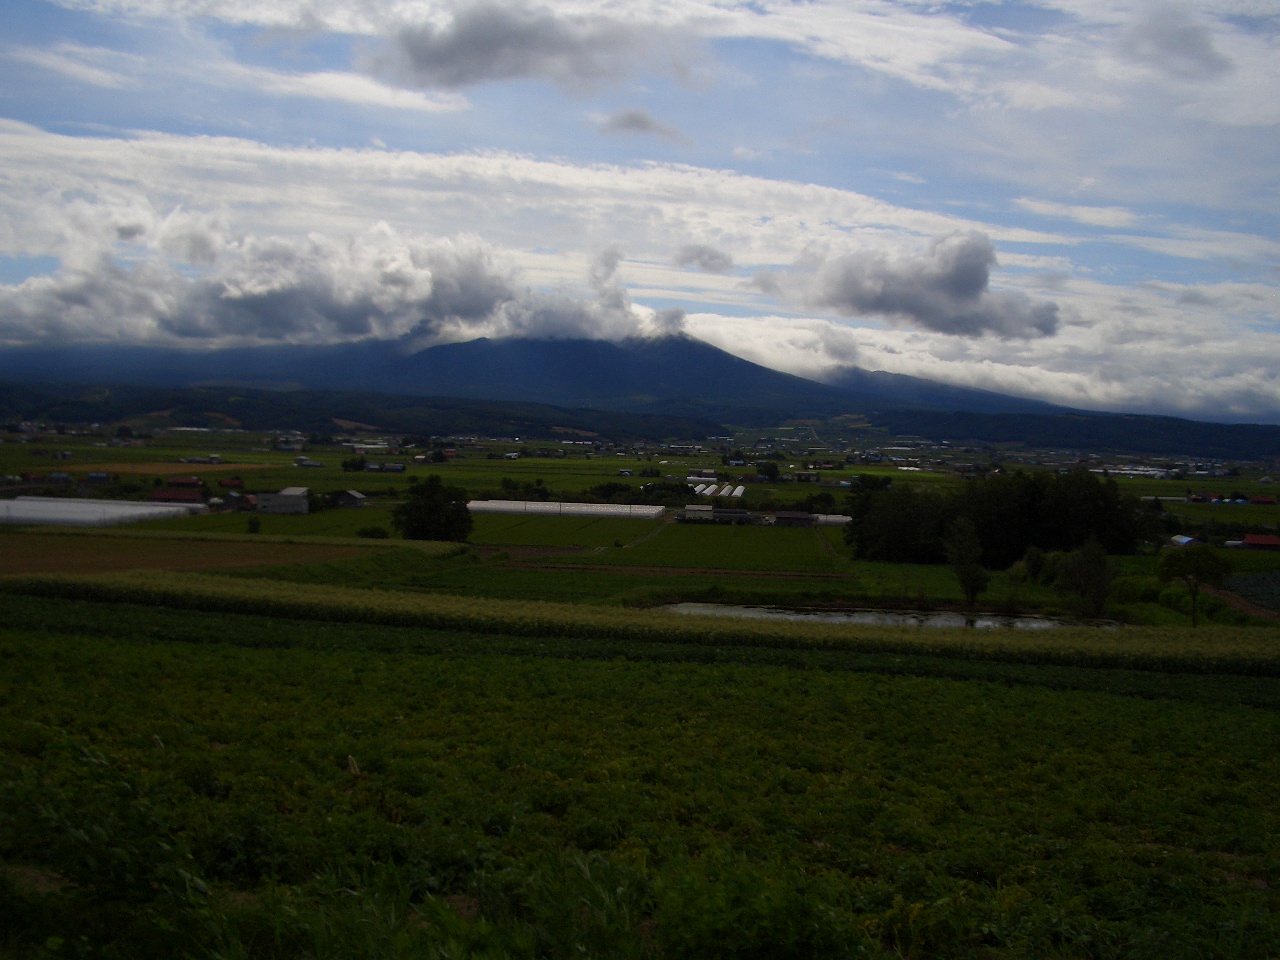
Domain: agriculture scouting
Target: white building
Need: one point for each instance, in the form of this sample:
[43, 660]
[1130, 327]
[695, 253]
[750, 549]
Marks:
[288, 500]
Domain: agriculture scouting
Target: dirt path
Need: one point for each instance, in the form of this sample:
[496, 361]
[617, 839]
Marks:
[1237, 602]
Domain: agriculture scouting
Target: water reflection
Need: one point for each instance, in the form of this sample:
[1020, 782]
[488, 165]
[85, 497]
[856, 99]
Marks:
[874, 618]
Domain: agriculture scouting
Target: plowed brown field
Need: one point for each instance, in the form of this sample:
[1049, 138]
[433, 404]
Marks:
[53, 553]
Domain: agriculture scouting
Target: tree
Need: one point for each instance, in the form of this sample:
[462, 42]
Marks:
[964, 554]
[1086, 572]
[432, 511]
[1194, 565]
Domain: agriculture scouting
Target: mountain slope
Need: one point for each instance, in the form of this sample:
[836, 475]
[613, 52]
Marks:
[670, 375]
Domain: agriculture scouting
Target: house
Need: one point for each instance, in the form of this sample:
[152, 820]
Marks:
[1261, 541]
[288, 500]
[177, 495]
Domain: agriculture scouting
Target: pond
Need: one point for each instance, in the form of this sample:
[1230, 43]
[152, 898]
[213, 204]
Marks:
[875, 618]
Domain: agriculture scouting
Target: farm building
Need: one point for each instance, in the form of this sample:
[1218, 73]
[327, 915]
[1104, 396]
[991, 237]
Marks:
[288, 500]
[177, 495]
[1261, 541]
[71, 512]
[792, 518]
[349, 498]
[554, 508]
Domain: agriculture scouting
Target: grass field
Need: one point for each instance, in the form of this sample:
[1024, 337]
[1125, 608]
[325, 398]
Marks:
[326, 523]
[180, 784]
[730, 548]
[542, 531]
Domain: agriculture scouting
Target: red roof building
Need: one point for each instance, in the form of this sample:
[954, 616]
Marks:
[172, 495]
[1262, 541]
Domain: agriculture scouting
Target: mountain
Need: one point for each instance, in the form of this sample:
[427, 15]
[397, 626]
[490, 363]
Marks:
[675, 375]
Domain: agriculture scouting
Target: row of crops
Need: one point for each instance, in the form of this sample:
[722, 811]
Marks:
[1233, 650]
[195, 783]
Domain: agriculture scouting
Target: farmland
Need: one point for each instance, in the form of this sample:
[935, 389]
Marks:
[263, 786]
[306, 743]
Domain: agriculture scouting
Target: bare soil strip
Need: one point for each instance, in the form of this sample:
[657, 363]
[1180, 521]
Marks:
[36, 553]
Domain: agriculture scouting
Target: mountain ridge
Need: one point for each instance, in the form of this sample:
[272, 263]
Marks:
[673, 375]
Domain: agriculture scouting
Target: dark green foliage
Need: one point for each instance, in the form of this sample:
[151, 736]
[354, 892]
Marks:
[964, 556]
[897, 523]
[354, 464]
[373, 533]
[1010, 512]
[1086, 574]
[432, 511]
[1194, 565]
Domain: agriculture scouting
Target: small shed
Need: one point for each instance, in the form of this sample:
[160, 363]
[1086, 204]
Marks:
[350, 498]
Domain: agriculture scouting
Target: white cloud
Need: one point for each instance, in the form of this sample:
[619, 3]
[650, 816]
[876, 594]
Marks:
[1093, 216]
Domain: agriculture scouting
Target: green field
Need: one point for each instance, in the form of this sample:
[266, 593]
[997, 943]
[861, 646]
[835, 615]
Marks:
[305, 744]
[731, 548]
[202, 784]
[544, 531]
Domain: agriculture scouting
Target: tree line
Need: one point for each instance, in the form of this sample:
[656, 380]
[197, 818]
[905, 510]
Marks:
[1008, 513]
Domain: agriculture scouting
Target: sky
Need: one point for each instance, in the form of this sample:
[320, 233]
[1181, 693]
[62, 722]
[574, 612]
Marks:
[1072, 200]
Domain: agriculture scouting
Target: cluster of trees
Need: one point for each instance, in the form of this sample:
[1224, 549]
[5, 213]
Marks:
[432, 511]
[1008, 513]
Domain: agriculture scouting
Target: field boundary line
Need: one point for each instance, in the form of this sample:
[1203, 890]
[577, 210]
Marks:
[1245, 651]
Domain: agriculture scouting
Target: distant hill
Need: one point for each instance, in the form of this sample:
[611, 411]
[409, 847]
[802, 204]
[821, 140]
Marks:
[518, 387]
[675, 375]
[330, 412]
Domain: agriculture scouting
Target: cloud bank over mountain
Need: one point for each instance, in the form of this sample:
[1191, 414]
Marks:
[1056, 199]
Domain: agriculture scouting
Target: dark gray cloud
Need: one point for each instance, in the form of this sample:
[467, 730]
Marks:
[639, 122]
[945, 289]
[489, 41]
[379, 285]
[1170, 37]
[704, 257]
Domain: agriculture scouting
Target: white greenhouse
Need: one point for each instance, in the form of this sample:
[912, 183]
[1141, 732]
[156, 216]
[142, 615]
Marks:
[70, 512]
[641, 511]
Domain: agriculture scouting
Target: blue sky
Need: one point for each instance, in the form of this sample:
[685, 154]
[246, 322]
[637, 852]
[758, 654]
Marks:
[1069, 199]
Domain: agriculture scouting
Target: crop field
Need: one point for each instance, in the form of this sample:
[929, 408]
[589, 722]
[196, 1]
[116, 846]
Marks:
[182, 784]
[305, 744]
[29, 552]
[501, 577]
[325, 523]
[1262, 516]
[731, 548]
[1212, 649]
[544, 531]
